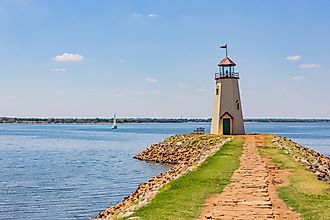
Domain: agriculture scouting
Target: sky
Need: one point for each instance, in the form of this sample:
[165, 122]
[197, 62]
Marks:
[145, 58]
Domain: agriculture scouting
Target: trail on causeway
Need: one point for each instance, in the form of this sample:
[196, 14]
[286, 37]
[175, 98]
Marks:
[252, 192]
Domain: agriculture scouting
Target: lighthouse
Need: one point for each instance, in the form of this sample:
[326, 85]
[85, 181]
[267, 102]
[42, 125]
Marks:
[227, 118]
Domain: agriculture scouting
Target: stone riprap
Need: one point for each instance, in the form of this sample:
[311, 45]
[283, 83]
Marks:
[180, 149]
[185, 152]
[318, 163]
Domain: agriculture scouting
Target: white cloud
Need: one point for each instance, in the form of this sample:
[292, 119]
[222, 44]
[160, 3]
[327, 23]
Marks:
[312, 65]
[137, 92]
[153, 15]
[202, 90]
[122, 61]
[294, 58]
[156, 92]
[151, 80]
[6, 98]
[58, 70]
[118, 95]
[69, 57]
[296, 78]
[183, 85]
[137, 14]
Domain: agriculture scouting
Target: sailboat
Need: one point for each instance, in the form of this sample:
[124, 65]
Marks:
[114, 126]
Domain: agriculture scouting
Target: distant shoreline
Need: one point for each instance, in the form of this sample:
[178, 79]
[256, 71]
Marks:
[12, 120]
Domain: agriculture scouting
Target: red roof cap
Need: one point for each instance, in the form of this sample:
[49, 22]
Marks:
[226, 62]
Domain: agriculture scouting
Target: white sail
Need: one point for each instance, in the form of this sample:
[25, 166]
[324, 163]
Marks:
[114, 126]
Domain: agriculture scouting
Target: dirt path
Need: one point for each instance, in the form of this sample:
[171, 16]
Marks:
[252, 191]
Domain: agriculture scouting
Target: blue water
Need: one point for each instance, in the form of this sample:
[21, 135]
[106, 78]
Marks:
[313, 135]
[74, 171]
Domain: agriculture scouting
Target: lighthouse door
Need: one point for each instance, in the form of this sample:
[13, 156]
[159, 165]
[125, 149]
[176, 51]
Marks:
[226, 126]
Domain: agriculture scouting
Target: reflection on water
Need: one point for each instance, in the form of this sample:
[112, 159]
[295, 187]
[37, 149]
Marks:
[74, 171]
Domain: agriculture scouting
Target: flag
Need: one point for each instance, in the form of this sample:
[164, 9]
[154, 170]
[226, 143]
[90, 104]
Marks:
[224, 46]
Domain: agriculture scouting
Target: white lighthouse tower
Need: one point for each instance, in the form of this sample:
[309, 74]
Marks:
[227, 118]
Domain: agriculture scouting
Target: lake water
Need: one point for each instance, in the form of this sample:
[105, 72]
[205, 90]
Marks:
[74, 171]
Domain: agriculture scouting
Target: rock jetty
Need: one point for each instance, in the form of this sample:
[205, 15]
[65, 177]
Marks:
[185, 152]
[318, 163]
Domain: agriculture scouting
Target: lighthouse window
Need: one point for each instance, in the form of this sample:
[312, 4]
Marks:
[237, 104]
[217, 91]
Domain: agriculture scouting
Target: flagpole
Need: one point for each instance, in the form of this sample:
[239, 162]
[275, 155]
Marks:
[225, 47]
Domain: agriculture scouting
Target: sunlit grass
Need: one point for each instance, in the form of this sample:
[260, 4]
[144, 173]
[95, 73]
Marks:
[305, 193]
[184, 197]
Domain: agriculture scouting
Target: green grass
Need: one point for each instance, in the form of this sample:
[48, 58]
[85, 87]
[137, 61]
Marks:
[184, 197]
[305, 194]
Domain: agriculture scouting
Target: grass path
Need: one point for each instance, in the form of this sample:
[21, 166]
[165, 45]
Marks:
[184, 197]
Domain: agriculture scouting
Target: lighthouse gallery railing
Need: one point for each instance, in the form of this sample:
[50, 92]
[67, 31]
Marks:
[226, 75]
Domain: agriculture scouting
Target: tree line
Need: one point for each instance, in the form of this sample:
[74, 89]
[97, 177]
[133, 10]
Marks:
[138, 120]
[96, 120]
